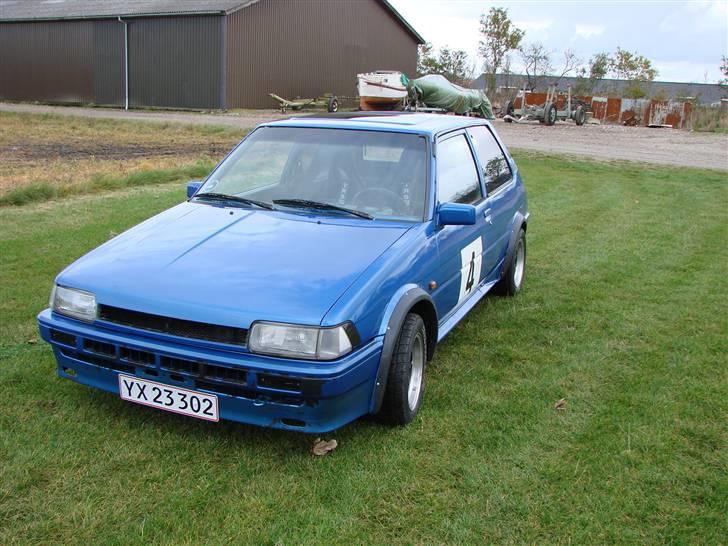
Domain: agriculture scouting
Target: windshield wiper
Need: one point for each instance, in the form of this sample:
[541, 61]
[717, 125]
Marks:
[308, 204]
[235, 199]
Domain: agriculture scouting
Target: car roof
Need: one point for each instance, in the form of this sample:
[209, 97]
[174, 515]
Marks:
[409, 122]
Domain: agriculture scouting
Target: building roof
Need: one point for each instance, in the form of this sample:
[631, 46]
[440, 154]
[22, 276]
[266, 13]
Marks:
[403, 22]
[704, 93]
[33, 10]
[50, 10]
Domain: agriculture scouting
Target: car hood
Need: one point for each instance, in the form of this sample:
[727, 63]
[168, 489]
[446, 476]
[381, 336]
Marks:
[232, 266]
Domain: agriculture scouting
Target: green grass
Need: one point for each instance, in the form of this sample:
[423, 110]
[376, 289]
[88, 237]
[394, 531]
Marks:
[709, 119]
[624, 314]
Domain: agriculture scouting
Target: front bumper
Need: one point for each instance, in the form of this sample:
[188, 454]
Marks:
[288, 394]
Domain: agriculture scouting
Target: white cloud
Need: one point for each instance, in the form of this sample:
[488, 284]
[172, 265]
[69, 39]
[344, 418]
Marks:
[687, 71]
[699, 14]
[712, 9]
[537, 26]
[586, 31]
[667, 25]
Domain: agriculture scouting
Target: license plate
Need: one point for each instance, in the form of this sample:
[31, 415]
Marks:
[168, 398]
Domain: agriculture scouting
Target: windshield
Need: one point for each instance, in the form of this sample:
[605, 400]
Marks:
[376, 173]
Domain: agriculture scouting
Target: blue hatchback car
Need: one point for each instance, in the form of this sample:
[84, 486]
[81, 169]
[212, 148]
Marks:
[307, 281]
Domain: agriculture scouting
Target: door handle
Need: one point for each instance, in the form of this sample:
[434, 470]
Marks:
[488, 216]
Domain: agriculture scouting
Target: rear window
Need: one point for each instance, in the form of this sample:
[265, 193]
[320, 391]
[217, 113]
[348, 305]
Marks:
[457, 177]
[496, 171]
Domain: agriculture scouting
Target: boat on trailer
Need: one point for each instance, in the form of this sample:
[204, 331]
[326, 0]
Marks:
[381, 90]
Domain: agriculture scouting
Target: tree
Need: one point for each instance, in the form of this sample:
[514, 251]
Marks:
[455, 66]
[536, 63]
[426, 61]
[623, 65]
[571, 64]
[500, 36]
[589, 77]
[451, 63]
[599, 66]
[633, 68]
[540, 73]
[723, 70]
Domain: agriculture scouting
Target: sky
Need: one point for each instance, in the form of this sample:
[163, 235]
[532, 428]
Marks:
[684, 39]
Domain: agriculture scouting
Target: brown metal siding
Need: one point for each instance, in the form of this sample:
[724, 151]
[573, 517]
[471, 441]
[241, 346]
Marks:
[175, 61]
[108, 62]
[309, 47]
[47, 61]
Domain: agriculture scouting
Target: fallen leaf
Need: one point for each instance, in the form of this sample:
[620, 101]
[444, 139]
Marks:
[32, 341]
[322, 447]
[560, 404]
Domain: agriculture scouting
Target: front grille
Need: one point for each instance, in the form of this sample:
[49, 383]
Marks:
[179, 365]
[99, 348]
[137, 357]
[173, 326]
[233, 381]
[204, 370]
[280, 382]
[64, 338]
[228, 375]
[242, 392]
[102, 362]
[230, 390]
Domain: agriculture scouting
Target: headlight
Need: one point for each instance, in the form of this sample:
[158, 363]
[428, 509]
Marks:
[308, 342]
[73, 303]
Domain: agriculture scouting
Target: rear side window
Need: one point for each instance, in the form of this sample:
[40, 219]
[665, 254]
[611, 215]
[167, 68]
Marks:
[496, 170]
[457, 176]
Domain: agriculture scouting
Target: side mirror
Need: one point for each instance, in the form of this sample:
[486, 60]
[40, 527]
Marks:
[456, 214]
[192, 187]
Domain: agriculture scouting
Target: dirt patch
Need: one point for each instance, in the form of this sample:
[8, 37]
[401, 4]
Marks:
[101, 151]
[67, 151]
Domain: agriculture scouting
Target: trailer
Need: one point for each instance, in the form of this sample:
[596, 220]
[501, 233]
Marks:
[547, 113]
[330, 102]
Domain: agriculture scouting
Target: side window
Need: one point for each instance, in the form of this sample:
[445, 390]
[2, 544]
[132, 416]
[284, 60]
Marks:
[457, 176]
[496, 170]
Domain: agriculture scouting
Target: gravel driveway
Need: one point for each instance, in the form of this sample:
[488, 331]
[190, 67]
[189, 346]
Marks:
[603, 142]
[608, 142]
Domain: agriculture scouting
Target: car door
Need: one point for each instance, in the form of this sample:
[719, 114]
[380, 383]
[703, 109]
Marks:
[501, 198]
[460, 248]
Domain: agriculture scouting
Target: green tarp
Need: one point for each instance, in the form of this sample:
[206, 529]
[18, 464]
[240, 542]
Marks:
[436, 91]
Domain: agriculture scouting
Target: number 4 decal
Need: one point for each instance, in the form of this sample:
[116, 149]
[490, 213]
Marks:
[472, 259]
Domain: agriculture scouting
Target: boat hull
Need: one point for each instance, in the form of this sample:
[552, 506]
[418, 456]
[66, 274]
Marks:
[379, 103]
[381, 90]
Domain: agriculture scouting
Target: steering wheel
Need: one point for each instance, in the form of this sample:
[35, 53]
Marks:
[342, 175]
[387, 198]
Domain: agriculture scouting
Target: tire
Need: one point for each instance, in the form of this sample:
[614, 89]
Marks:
[549, 114]
[406, 381]
[514, 275]
[580, 115]
[333, 105]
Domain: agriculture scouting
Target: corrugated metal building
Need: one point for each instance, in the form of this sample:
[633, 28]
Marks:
[196, 53]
